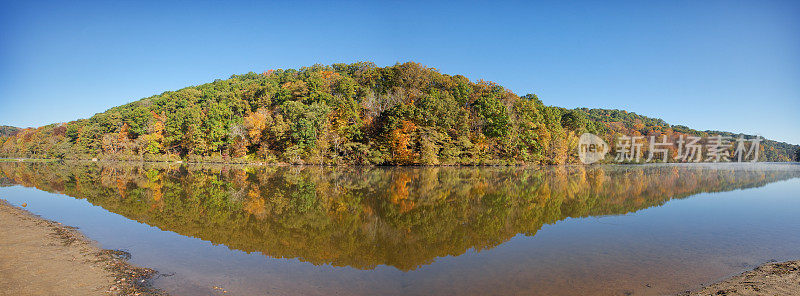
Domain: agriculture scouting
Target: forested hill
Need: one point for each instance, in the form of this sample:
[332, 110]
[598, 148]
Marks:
[342, 114]
[7, 130]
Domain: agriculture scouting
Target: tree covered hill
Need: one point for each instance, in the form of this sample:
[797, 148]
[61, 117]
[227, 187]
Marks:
[342, 114]
[7, 130]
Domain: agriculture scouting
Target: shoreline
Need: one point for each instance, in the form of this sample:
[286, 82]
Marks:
[771, 278]
[44, 257]
[283, 164]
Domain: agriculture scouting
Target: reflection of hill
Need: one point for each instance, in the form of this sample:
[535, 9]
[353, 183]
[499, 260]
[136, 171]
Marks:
[367, 216]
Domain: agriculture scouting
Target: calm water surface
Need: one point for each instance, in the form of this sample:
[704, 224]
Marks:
[638, 230]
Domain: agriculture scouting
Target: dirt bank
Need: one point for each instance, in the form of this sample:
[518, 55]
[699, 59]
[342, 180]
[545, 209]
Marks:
[41, 257]
[781, 278]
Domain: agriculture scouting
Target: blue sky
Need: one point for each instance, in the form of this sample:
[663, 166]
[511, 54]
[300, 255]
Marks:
[719, 65]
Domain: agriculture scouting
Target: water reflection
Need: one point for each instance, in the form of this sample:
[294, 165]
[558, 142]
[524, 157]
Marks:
[363, 217]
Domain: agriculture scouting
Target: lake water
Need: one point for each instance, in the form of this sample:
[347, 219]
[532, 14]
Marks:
[600, 230]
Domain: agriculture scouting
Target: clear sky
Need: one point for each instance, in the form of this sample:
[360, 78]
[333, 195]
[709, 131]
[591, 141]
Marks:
[719, 65]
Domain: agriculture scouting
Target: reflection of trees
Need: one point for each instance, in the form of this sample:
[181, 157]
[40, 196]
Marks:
[366, 216]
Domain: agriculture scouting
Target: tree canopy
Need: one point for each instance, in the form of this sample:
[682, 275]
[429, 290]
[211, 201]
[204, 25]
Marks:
[356, 113]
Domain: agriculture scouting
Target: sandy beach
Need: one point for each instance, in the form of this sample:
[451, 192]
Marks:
[776, 278]
[41, 257]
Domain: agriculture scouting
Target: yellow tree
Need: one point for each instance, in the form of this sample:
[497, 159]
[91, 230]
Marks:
[401, 138]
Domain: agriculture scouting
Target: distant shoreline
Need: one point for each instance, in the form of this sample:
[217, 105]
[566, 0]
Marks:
[262, 163]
